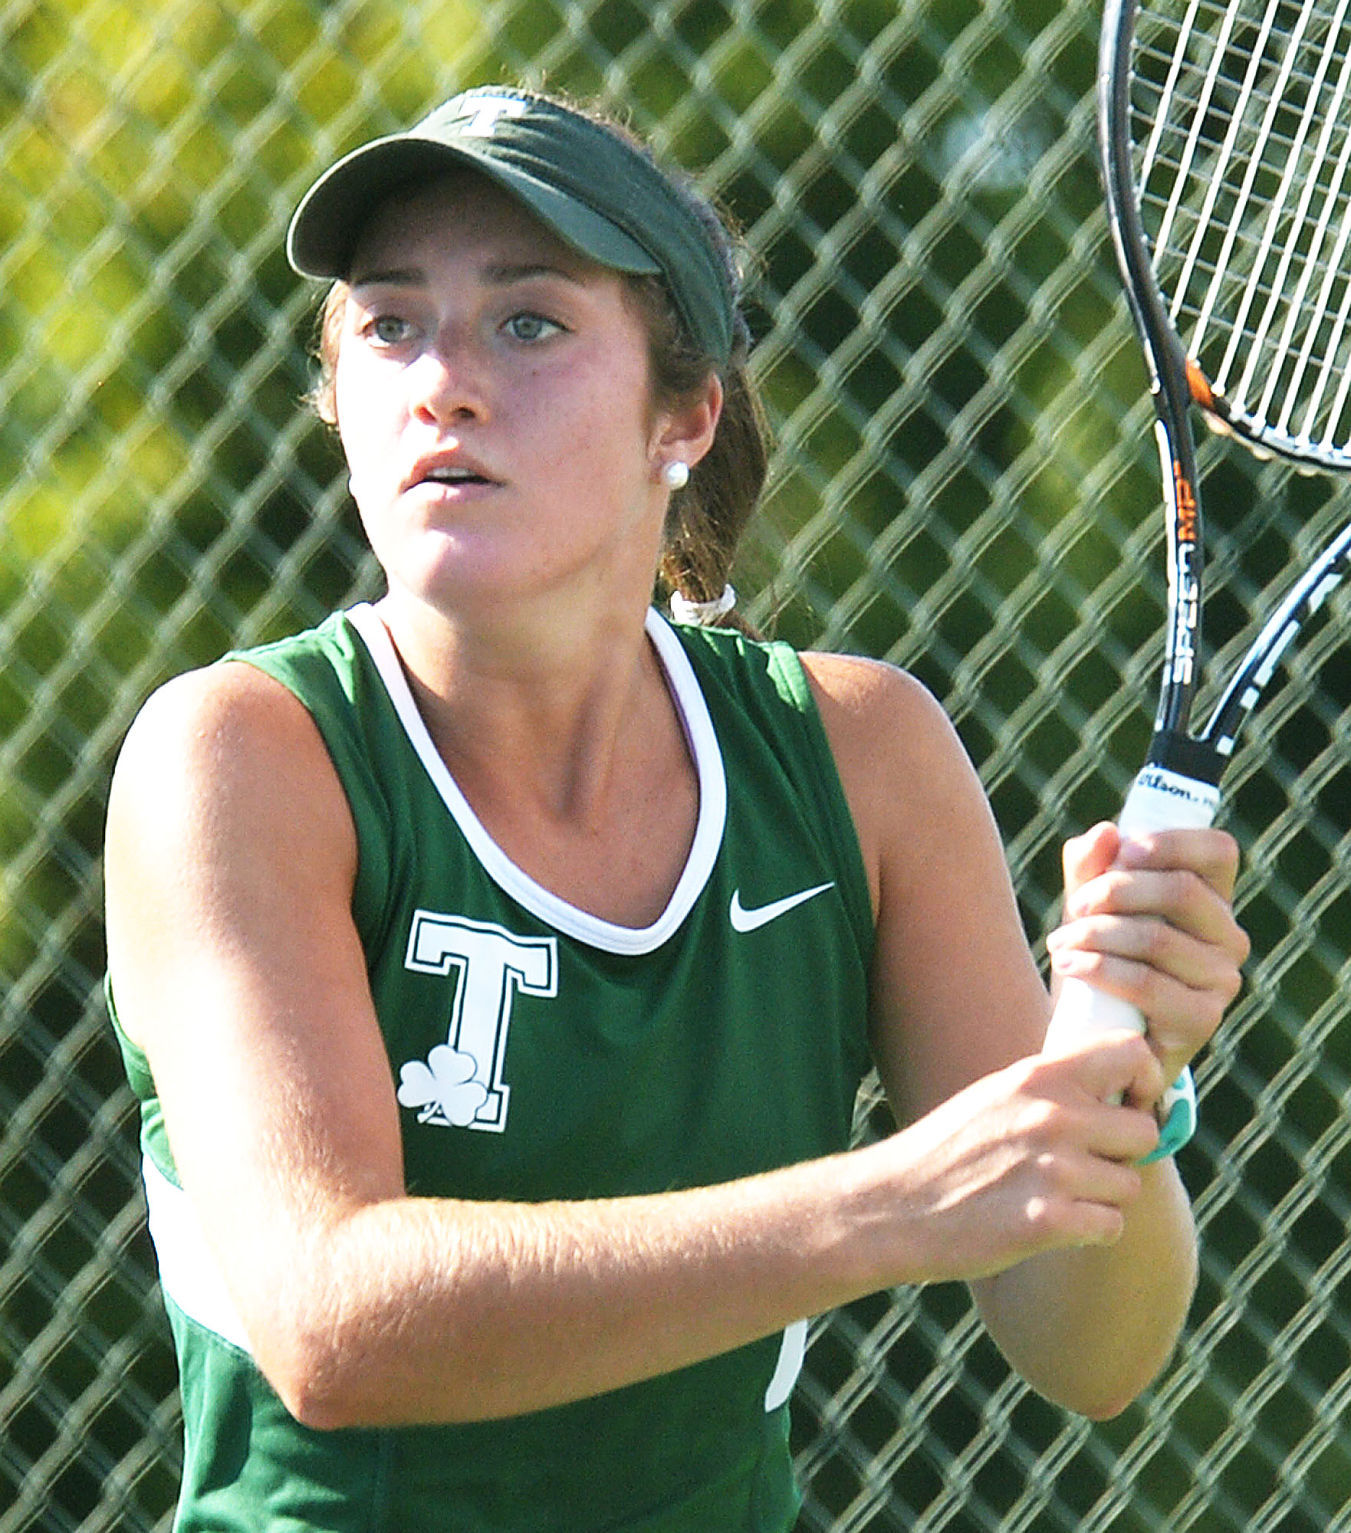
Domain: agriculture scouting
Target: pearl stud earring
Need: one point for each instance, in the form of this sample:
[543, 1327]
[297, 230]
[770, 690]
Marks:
[675, 474]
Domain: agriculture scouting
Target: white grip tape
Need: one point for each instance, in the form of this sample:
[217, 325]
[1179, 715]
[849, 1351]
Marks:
[1164, 800]
[1159, 799]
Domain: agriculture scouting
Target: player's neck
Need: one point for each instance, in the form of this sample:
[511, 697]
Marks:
[557, 724]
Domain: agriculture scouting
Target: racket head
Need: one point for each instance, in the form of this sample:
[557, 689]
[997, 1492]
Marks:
[1236, 120]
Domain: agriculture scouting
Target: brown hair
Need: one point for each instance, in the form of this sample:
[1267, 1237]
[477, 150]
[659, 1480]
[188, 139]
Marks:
[708, 516]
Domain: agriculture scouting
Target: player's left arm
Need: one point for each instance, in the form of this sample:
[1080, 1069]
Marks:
[956, 997]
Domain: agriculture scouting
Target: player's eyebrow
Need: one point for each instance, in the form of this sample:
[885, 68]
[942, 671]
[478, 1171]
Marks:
[523, 271]
[499, 274]
[402, 276]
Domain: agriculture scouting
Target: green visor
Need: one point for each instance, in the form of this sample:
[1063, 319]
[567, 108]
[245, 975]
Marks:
[602, 195]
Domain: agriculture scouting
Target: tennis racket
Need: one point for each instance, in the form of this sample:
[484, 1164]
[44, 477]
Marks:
[1225, 134]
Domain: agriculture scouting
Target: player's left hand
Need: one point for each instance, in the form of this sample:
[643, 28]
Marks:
[1149, 919]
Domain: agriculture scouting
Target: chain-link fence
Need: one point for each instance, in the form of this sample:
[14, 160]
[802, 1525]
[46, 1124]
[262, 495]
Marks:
[963, 483]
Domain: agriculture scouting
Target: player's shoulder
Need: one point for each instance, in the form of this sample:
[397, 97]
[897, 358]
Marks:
[873, 704]
[223, 723]
[901, 762]
[196, 706]
[224, 766]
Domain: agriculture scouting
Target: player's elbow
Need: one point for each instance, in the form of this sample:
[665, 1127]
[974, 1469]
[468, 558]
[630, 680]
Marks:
[332, 1379]
[1096, 1393]
[1100, 1388]
[356, 1371]
[308, 1402]
[1100, 1404]
[1081, 1362]
[309, 1377]
[318, 1355]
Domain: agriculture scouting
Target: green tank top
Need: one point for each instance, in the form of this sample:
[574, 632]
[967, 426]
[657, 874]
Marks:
[539, 1053]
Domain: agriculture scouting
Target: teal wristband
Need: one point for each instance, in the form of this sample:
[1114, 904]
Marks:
[1179, 1122]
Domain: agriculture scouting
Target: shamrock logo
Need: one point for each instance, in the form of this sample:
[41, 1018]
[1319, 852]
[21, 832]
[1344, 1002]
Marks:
[444, 1089]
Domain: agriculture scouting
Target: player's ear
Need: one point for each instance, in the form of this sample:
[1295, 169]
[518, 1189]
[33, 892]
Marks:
[686, 431]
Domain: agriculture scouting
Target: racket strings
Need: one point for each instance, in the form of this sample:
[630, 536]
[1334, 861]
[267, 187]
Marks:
[1241, 127]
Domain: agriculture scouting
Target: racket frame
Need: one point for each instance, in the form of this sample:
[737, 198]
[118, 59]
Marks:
[1172, 391]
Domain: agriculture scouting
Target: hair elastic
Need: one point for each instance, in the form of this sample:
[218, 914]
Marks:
[702, 614]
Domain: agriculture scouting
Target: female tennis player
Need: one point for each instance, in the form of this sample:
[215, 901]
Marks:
[497, 963]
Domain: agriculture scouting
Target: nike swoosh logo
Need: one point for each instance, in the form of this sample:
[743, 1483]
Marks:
[744, 920]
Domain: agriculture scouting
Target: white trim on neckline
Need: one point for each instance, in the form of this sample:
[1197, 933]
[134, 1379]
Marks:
[569, 919]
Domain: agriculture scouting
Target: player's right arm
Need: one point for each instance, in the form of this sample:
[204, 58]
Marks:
[236, 965]
[1008, 1142]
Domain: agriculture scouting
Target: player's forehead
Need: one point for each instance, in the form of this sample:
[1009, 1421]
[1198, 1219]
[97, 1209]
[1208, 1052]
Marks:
[460, 216]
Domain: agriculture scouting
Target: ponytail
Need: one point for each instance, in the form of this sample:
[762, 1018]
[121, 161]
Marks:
[708, 516]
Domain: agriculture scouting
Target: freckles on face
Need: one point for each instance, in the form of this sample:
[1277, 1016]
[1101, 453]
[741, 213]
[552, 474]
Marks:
[458, 284]
[489, 381]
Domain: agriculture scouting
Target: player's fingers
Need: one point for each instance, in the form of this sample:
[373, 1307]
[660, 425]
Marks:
[1088, 1186]
[1135, 1077]
[1181, 1017]
[1102, 1072]
[1089, 1223]
[1165, 999]
[1211, 960]
[1087, 856]
[1180, 898]
[1211, 855]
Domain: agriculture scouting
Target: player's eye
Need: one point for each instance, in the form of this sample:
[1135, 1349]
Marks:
[529, 326]
[387, 329]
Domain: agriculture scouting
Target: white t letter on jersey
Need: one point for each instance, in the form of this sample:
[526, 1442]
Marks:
[460, 1084]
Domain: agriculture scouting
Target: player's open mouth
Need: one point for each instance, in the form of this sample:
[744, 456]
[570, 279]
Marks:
[453, 473]
[453, 476]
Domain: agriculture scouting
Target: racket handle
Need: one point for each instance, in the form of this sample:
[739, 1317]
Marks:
[1159, 799]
